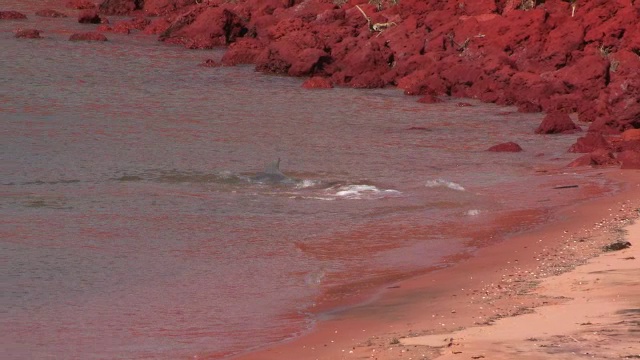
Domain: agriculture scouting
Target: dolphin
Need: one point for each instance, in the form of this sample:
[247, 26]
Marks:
[273, 175]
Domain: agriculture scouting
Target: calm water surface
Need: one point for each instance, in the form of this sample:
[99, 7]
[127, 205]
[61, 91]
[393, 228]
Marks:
[131, 227]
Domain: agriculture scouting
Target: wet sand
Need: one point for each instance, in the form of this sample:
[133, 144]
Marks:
[551, 292]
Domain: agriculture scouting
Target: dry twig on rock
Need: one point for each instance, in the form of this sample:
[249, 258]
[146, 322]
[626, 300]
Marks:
[377, 27]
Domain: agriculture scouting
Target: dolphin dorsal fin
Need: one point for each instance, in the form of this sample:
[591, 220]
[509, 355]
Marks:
[273, 168]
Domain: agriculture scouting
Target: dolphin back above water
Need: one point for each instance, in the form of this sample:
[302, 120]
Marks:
[272, 175]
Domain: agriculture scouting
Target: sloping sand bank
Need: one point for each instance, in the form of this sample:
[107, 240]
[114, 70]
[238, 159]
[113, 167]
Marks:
[600, 317]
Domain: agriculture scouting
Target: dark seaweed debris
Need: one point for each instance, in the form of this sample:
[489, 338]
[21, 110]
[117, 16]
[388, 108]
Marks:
[618, 245]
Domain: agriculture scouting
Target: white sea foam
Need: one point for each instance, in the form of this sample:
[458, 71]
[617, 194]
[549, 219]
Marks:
[363, 192]
[444, 183]
[473, 212]
[226, 174]
[305, 183]
[351, 190]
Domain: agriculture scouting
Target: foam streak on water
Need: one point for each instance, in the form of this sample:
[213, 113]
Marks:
[444, 183]
[128, 227]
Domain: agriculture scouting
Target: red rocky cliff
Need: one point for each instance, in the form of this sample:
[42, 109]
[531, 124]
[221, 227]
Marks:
[537, 57]
[556, 56]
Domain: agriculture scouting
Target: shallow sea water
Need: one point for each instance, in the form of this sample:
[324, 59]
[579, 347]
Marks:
[131, 228]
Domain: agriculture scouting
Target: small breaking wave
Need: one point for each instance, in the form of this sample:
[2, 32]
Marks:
[307, 183]
[444, 183]
[362, 192]
[473, 212]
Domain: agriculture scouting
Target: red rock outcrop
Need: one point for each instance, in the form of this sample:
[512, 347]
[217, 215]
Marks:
[12, 15]
[629, 159]
[589, 143]
[50, 13]
[317, 82]
[599, 157]
[88, 36]
[80, 4]
[89, 17]
[627, 142]
[557, 123]
[157, 26]
[631, 135]
[126, 27]
[205, 27]
[163, 7]
[28, 34]
[243, 51]
[506, 147]
[120, 7]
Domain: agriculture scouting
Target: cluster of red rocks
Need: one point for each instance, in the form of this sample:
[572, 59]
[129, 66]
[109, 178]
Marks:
[12, 15]
[28, 33]
[50, 13]
[556, 56]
